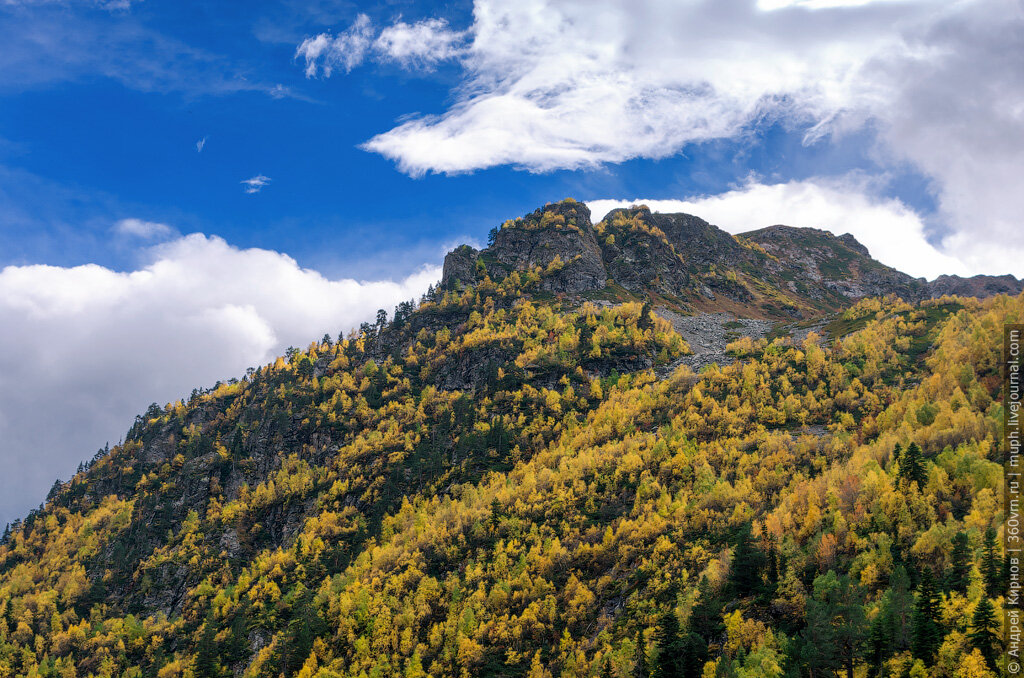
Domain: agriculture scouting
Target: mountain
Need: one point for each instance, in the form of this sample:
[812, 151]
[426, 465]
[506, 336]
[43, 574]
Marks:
[976, 286]
[687, 264]
[523, 474]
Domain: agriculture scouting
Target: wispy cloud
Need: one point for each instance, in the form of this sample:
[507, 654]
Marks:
[140, 228]
[201, 144]
[324, 52]
[105, 4]
[64, 41]
[255, 184]
[420, 46]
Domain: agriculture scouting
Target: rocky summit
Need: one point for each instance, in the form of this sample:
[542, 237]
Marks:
[685, 263]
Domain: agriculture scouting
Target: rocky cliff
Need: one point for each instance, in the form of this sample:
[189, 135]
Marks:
[975, 286]
[683, 262]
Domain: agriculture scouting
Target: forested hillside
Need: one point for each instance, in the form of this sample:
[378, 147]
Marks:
[518, 477]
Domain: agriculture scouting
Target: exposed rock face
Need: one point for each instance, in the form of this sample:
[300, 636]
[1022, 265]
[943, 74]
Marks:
[700, 244]
[673, 254]
[975, 286]
[555, 235]
[459, 267]
[818, 262]
[639, 260]
[775, 272]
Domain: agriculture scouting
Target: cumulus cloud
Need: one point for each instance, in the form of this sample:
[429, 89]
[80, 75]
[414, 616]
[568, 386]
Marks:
[553, 84]
[86, 348]
[255, 184]
[557, 85]
[892, 232]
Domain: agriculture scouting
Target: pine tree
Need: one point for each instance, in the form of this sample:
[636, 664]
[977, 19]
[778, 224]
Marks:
[836, 626]
[898, 611]
[725, 668]
[706, 614]
[983, 631]
[912, 466]
[236, 650]
[927, 633]
[206, 652]
[773, 563]
[960, 563]
[670, 662]
[991, 568]
[877, 646]
[303, 627]
[747, 562]
[695, 655]
[495, 513]
[640, 669]
[606, 672]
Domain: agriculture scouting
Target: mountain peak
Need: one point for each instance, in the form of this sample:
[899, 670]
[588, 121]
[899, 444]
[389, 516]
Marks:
[803, 235]
[777, 272]
[557, 238]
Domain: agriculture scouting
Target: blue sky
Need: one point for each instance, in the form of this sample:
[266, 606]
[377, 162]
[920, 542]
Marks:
[86, 146]
[135, 266]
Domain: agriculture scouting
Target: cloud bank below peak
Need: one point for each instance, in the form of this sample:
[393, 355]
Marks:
[98, 345]
[892, 232]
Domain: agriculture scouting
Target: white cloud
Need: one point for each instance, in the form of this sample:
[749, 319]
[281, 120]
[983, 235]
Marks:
[414, 46]
[255, 184]
[892, 232]
[201, 144]
[419, 45]
[49, 42]
[143, 229]
[770, 5]
[85, 349]
[554, 84]
[324, 52]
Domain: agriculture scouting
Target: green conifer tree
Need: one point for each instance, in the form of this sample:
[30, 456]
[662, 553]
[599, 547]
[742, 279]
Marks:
[912, 466]
[640, 668]
[706, 614]
[746, 567]
[983, 631]
[670, 662]
[927, 632]
[991, 568]
[772, 573]
[206, 652]
[695, 655]
[960, 563]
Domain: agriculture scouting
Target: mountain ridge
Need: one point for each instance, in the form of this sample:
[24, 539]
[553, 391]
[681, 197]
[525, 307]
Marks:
[778, 272]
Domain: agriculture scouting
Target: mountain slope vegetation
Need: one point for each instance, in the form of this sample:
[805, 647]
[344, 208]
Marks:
[497, 482]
